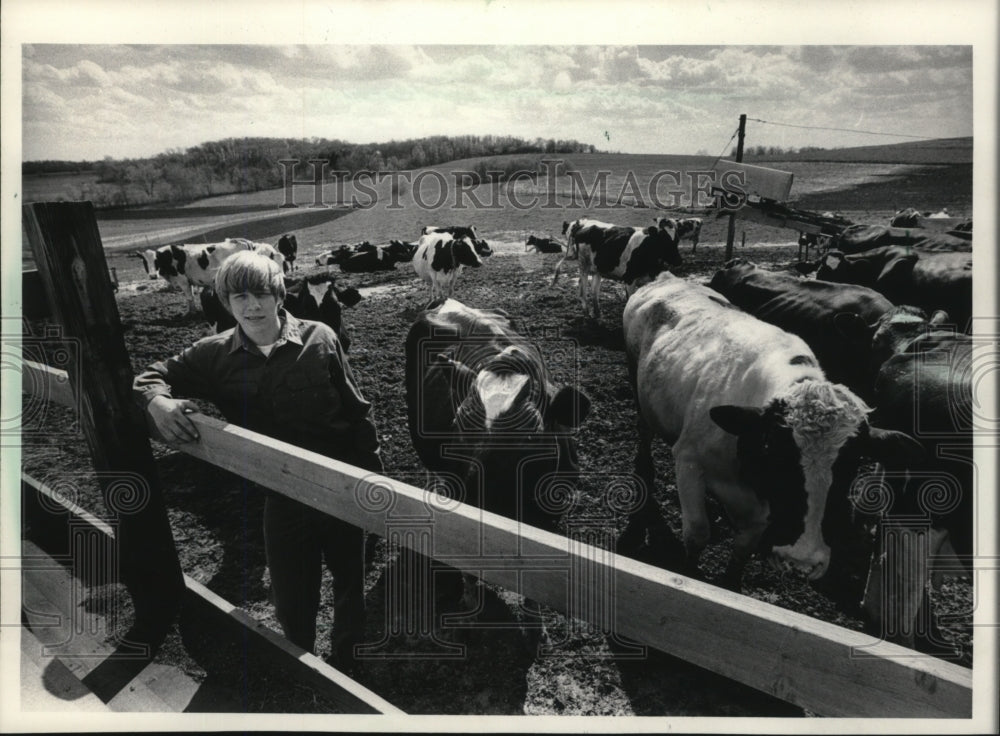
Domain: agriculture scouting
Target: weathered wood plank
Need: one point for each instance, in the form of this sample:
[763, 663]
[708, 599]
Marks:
[51, 383]
[69, 255]
[47, 686]
[349, 695]
[176, 689]
[799, 659]
[78, 642]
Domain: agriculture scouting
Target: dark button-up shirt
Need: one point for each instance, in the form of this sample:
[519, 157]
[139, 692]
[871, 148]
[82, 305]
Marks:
[303, 392]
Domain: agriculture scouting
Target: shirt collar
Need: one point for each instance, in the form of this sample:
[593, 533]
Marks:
[291, 331]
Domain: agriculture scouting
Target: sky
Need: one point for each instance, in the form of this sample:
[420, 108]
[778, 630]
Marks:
[89, 101]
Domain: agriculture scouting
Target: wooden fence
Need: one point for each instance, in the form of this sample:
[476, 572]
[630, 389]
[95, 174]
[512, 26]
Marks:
[819, 666]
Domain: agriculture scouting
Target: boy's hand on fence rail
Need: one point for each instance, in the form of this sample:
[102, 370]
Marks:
[170, 418]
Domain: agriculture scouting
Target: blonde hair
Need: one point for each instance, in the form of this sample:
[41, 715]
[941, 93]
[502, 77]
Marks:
[251, 272]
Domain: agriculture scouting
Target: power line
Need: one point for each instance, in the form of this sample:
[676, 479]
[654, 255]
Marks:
[719, 157]
[843, 130]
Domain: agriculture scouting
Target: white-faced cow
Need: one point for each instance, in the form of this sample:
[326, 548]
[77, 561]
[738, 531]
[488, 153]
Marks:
[925, 279]
[288, 246]
[750, 418]
[686, 228]
[924, 388]
[441, 255]
[631, 255]
[184, 266]
[812, 310]
[484, 412]
[482, 407]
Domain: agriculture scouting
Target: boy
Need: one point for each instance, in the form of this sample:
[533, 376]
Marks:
[288, 379]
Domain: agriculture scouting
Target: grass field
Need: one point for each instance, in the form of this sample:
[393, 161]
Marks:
[625, 189]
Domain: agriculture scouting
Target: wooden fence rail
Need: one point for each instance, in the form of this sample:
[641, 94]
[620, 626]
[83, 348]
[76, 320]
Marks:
[819, 666]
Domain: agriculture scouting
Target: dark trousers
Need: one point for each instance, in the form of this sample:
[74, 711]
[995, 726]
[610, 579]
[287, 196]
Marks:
[298, 540]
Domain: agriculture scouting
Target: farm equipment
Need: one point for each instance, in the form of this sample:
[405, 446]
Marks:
[760, 195]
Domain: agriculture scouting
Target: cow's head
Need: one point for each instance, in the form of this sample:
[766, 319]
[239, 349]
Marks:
[482, 248]
[796, 452]
[148, 258]
[665, 239]
[516, 433]
[464, 251]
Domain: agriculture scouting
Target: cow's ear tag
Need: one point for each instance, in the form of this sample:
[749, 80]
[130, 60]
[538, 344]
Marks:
[737, 420]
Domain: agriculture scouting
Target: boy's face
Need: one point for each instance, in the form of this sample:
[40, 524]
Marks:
[257, 314]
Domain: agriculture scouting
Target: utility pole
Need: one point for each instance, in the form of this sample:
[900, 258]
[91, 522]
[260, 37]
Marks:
[739, 159]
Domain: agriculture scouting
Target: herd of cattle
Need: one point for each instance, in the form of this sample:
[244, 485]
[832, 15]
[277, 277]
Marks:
[773, 389]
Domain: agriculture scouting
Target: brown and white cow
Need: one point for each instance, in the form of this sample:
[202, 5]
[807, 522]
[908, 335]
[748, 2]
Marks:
[631, 255]
[750, 418]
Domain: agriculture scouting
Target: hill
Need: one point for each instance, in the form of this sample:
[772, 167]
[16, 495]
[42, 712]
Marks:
[937, 151]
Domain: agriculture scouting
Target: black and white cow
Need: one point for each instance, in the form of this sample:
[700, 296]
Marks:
[810, 309]
[929, 280]
[924, 388]
[368, 259]
[288, 246]
[482, 248]
[750, 418]
[542, 245]
[441, 255]
[303, 299]
[335, 257]
[686, 228]
[401, 250]
[631, 255]
[184, 266]
[483, 408]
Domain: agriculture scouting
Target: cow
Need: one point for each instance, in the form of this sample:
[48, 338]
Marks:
[335, 257]
[371, 258]
[632, 255]
[486, 418]
[441, 255]
[288, 246]
[687, 228]
[184, 266]
[302, 300]
[481, 405]
[908, 217]
[542, 245]
[929, 280]
[750, 417]
[482, 248]
[812, 310]
[924, 388]
[401, 251]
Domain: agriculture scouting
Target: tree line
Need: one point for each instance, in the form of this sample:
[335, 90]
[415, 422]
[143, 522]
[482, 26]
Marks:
[251, 164]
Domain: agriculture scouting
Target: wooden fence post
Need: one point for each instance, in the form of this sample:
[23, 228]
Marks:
[69, 255]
